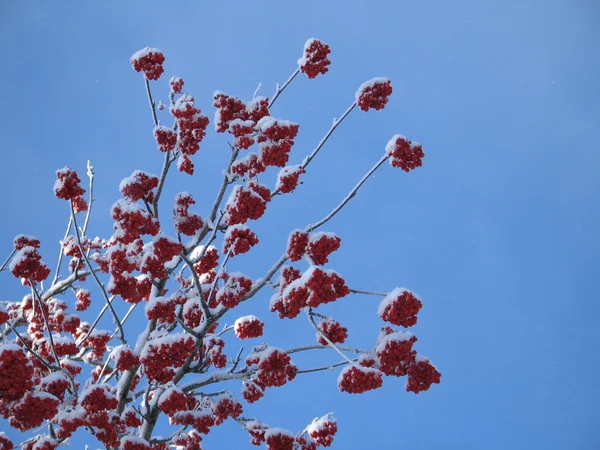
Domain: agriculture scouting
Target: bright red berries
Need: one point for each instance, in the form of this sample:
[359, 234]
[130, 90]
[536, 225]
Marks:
[373, 94]
[334, 331]
[225, 406]
[160, 355]
[288, 178]
[27, 263]
[32, 410]
[150, 61]
[421, 375]
[174, 400]
[395, 352]
[97, 398]
[296, 245]
[276, 138]
[244, 204]
[400, 307]
[139, 185]
[16, 373]
[323, 429]
[166, 138]
[404, 154]
[248, 327]
[5, 443]
[358, 379]
[279, 439]
[240, 239]
[67, 184]
[125, 358]
[134, 443]
[176, 84]
[235, 287]
[274, 367]
[315, 58]
[186, 221]
[23, 240]
[321, 245]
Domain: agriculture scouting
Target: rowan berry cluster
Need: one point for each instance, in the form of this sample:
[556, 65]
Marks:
[400, 307]
[421, 375]
[404, 154]
[139, 186]
[239, 239]
[275, 138]
[333, 330]
[67, 184]
[288, 179]
[315, 59]
[248, 327]
[373, 94]
[161, 355]
[225, 406]
[357, 379]
[323, 429]
[186, 222]
[125, 358]
[395, 352]
[273, 366]
[235, 287]
[176, 84]
[150, 61]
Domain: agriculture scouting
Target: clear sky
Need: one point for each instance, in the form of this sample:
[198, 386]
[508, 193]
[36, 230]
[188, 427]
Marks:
[498, 232]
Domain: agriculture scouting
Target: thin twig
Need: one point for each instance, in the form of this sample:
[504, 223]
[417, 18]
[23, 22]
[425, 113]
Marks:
[358, 291]
[198, 285]
[324, 336]
[61, 252]
[90, 174]
[329, 367]
[8, 259]
[280, 89]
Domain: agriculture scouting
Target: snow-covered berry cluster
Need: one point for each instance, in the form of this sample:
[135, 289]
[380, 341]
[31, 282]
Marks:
[288, 178]
[27, 264]
[395, 352]
[67, 184]
[315, 59]
[239, 239]
[235, 287]
[166, 138]
[404, 154]
[273, 366]
[357, 379]
[323, 429]
[421, 375]
[176, 84]
[161, 355]
[248, 327]
[244, 204]
[276, 139]
[125, 358]
[150, 61]
[373, 94]
[139, 186]
[333, 330]
[400, 307]
[224, 406]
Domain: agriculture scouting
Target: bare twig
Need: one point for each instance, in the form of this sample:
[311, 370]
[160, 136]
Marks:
[151, 101]
[61, 252]
[280, 89]
[329, 367]
[358, 291]
[203, 304]
[88, 214]
[4, 264]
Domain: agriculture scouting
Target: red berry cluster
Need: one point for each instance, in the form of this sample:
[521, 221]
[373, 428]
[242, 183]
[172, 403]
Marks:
[97, 342]
[274, 367]
[240, 239]
[324, 286]
[131, 289]
[191, 125]
[373, 94]
[395, 353]
[32, 410]
[5, 443]
[230, 109]
[188, 441]
[79, 205]
[251, 164]
[160, 355]
[186, 221]
[225, 406]
[279, 439]
[125, 358]
[208, 262]
[132, 221]
[139, 185]
[134, 443]
[16, 373]
[236, 286]
[315, 60]
[421, 375]
[84, 299]
[161, 309]
[44, 443]
[357, 379]
[213, 351]
[334, 331]
[174, 400]
[27, 264]
[288, 178]
[4, 316]
[67, 184]
[251, 392]
[166, 138]
[321, 245]
[149, 61]
[201, 421]
[242, 131]
[404, 154]
[400, 307]
[98, 397]
[20, 241]
[248, 327]
[130, 418]
[176, 84]
[323, 429]
[243, 204]
[296, 245]
[276, 138]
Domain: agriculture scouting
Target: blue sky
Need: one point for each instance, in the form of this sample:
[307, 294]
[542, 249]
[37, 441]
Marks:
[498, 232]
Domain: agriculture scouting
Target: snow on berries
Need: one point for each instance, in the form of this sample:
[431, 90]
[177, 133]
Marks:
[252, 392]
[239, 239]
[138, 185]
[186, 222]
[373, 94]
[333, 330]
[400, 307]
[132, 221]
[276, 138]
[247, 327]
[134, 443]
[244, 204]
[224, 406]
[321, 245]
[174, 400]
[98, 397]
[296, 245]
[323, 429]
[357, 379]
[235, 287]
[166, 138]
[16, 373]
[150, 61]
[27, 264]
[279, 439]
[404, 154]
[23, 240]
[395, 352]
[67, 185]
[32, 410]
[315, 59]
[421, 375]
[161, 355]
[125, 358]
[176, 84]
[5, 443]
[288, 178]
[274, 367]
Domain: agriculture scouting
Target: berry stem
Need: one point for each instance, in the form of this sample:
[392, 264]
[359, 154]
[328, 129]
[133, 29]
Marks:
[280, 89]
[358, 291]
[7, 260]
[60, 253]
[311, 319]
